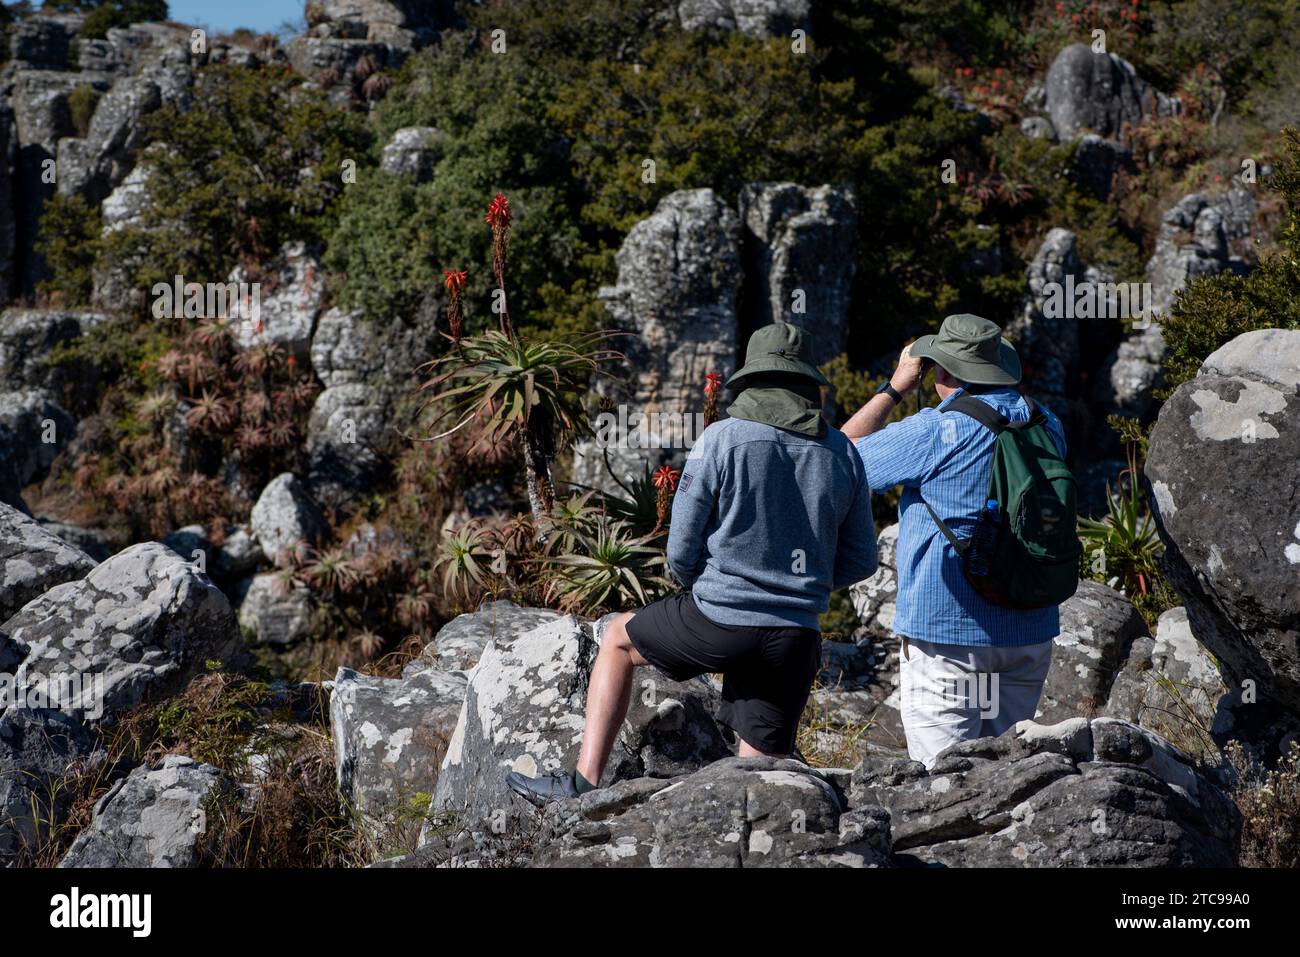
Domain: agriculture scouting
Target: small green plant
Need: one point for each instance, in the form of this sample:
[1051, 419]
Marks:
[610, 568]
[81, 106]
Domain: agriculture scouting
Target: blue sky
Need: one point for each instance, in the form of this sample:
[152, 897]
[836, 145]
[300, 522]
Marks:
[262, 16]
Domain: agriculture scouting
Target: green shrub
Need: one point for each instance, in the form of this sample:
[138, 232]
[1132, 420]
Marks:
[81, 105]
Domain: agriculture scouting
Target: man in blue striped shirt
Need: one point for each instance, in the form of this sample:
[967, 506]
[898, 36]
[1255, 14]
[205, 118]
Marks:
[969, 668]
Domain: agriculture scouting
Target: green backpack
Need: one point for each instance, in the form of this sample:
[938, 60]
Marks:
[1024, 552]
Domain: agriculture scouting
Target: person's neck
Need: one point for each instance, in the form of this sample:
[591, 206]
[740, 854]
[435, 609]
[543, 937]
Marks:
[945, 390]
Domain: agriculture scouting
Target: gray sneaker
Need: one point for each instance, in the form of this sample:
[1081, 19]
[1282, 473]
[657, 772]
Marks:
[540, 791]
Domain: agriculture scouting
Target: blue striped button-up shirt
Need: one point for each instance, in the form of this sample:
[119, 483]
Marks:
[948, 458]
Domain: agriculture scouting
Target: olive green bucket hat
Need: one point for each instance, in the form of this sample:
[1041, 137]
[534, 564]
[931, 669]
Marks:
[779, 347]
[972, 349]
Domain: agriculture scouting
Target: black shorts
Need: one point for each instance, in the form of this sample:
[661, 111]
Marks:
[767, 672]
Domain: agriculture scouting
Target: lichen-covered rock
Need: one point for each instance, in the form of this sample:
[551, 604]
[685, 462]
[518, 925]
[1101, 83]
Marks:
[139, 624]
[799, 245]
[1222, 467]
[154, 817]
[28, 336]
[459, 644]
[38, 748]
[32, 561]
[390, 735]
[285, 518]
[1196, 238]
[1076, 794]
[413, 152]
[289, 304]
[273, 614]
[1098, 626]
[875, 598]
[1171, 685]
[1099, 93]
[755, 18]
[93, 166]
[737, 812]
[524, 709]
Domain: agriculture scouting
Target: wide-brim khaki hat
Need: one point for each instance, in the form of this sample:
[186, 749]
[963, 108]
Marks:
[972, 349]
[779, 347]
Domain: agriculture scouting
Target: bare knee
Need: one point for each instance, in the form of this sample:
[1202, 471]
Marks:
[615, 640]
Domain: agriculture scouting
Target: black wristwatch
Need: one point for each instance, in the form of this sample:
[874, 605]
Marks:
[890, 391]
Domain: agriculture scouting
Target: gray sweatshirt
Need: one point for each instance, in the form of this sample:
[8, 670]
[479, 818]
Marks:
[767, 523]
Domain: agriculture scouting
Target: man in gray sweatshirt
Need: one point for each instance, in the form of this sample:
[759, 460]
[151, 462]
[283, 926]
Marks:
[771, 515]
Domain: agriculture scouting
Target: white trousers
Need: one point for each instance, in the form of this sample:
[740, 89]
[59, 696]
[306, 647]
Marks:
[951, 693]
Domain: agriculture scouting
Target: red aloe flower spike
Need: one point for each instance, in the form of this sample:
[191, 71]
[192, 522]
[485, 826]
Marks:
[499, 217]
[712, 384]
[665, 480]
[666, 476]
[498, 214]
[454, 280]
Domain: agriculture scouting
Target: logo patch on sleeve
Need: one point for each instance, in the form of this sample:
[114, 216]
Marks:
[685, 482]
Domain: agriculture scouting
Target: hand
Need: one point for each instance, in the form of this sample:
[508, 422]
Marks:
[909, 373]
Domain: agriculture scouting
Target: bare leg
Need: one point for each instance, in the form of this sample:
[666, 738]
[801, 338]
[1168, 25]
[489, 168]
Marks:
[747, 750]
[608, 697]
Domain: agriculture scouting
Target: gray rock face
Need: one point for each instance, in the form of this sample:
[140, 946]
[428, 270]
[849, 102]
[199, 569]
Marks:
[33, 430]
[413, 152]
[43, 42]
[8, 222]
[1100, 93]
[37, 748]
[1222, 467]
[239, 554]
[366, 368]
[154, 817]
[524, 709]
[1096, 161]
[390, 735]
[459, 644]
[1129, 377]
[1076, 794]
[755, 18]
[874, 599]
[737, 812]
[799, 247]
[141, 623]
[1048, 342]
[28, 336]
[1098, 625]
[290, 306]
[1171, 685]
[678, 277]
[285, 518]
[32, 561]
[311, 56]
[271, 615]
[1196, 238]
[92, 167]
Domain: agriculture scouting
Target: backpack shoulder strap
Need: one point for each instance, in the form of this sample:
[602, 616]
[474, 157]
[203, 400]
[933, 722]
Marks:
[981, 412]
[1036, 415]
[953, 540]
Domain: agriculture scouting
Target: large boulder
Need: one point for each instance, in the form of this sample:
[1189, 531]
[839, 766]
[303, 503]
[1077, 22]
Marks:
[459, 644]
[1076, 794]
[272, 613]
[1098, 626]
[390, 735]
[799, 244]
[1222, 467]
[39, 748]
[140, 624]
[154, 817]
[755, 18]
[33, 430]
[1099, 93]
[524, 709]
[284, 518]
[32, 561]
[1197, 238]
[737, 812]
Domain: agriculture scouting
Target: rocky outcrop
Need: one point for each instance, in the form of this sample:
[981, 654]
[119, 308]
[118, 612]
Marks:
[798, 245]
[1222, 468]
[737, 812]
[32, 561]
[523, 711]
[290, 301]
[154, 817]
[459, 644]
[755, 18]
[1196, 239]
[93, 166]
[874, 598]
[1100, 793]
[367, 368]
[1099, 93]
[413, 152]
[285, 519]
[141, 623]
[28, 336]
[1171, 685]
[390, 735]
[1098, 627]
